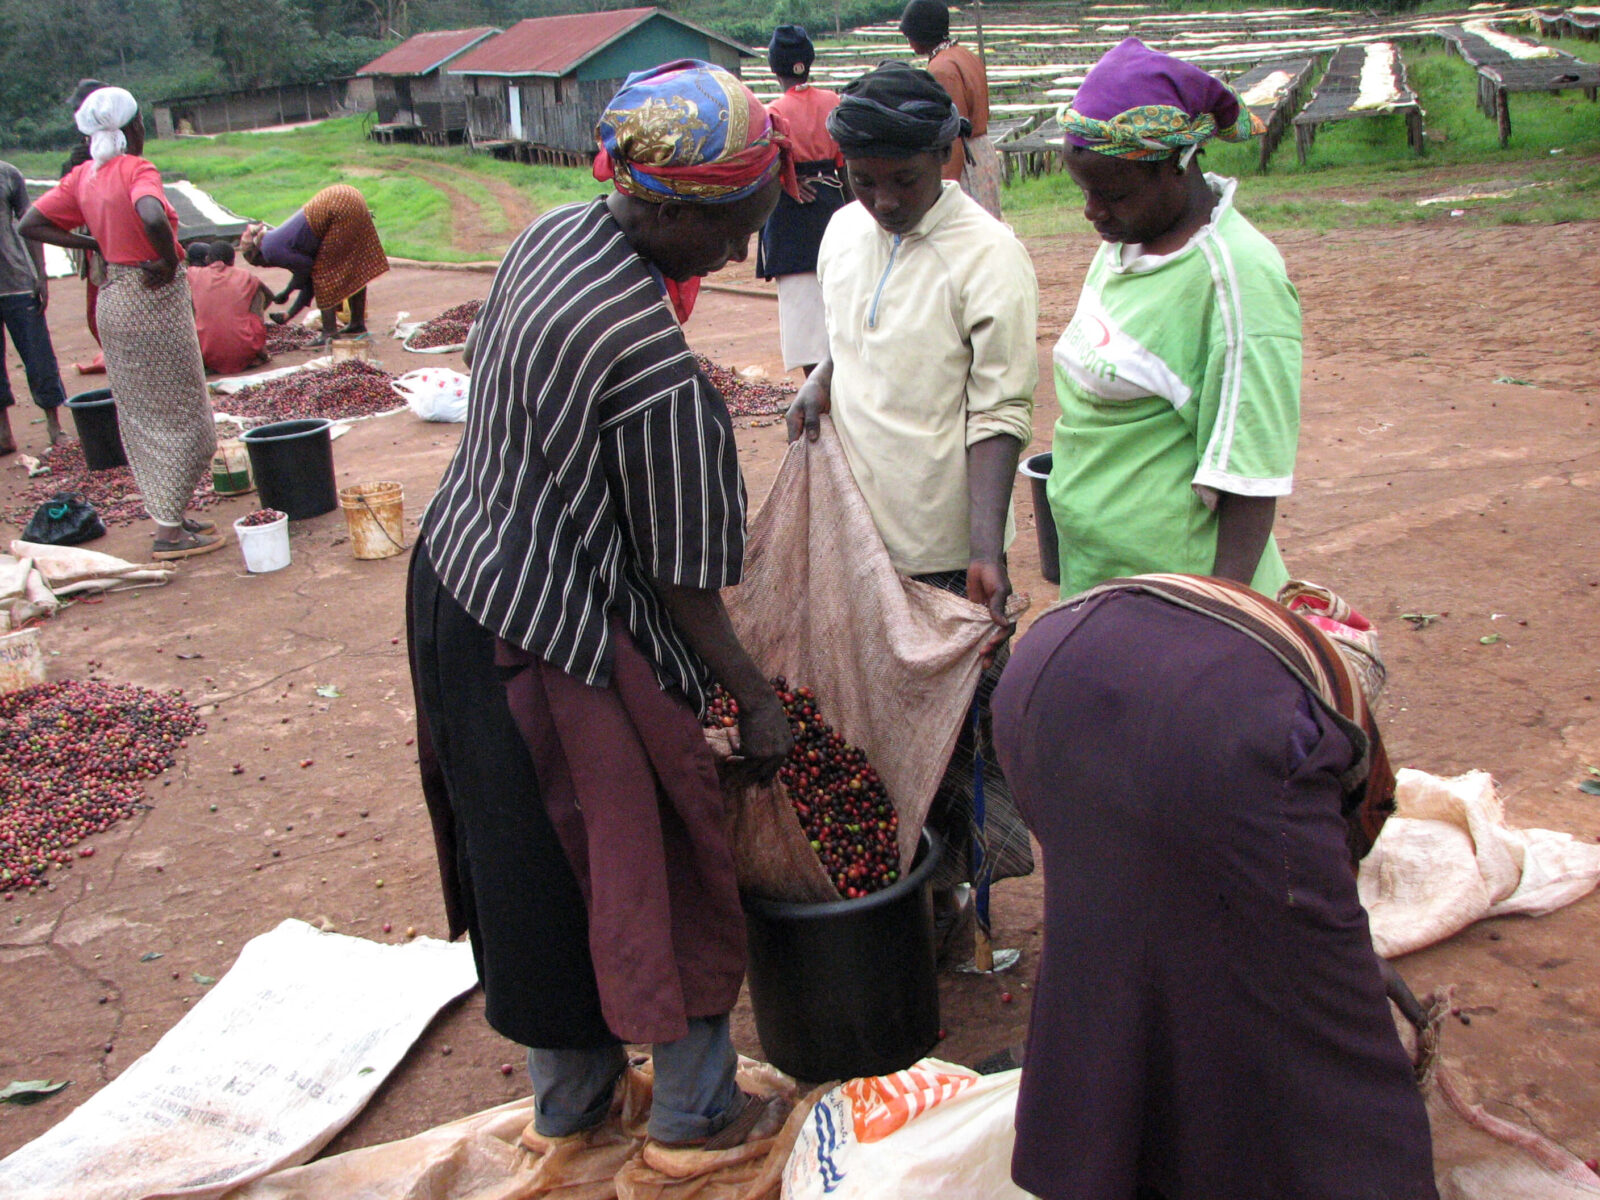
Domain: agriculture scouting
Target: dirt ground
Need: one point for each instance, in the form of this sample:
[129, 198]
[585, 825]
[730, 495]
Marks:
[1427, 483]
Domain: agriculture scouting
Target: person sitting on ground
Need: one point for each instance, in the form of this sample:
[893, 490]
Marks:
[332, 251]
[228, 303]
[146, 317]
[566, 625]
[975, 163]
[932, 307]
[1200, 766]
[24, 296]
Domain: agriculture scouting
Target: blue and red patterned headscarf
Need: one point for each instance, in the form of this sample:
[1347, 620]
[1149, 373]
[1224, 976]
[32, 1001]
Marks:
[692, 132]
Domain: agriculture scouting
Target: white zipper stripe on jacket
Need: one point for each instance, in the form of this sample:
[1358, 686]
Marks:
[872, 313]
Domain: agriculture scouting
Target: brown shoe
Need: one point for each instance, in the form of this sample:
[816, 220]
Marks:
[186, 545]
[760, 1118]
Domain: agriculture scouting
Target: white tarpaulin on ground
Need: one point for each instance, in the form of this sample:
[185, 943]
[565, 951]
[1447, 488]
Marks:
[276, 1059]
[1447, 859]
[36, 579]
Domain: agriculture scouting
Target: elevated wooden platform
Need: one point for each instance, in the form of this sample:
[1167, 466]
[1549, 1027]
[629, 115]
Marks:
[1340, 90]
[1277, 112]
[1551, 75]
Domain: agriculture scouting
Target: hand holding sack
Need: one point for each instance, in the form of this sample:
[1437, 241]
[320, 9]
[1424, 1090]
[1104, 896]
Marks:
[893, 663]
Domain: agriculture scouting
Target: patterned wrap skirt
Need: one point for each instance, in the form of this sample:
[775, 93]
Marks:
[154, 368]
[350, 255]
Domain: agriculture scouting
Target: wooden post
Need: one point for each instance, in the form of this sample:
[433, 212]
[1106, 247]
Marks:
[1502, 112]
[977, 17]
[1302, 142]
[1414, 132]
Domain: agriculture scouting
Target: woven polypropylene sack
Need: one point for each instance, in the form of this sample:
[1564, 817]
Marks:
[893, 663]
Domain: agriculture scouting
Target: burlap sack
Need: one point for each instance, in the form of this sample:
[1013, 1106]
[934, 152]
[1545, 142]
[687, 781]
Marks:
[893, 663]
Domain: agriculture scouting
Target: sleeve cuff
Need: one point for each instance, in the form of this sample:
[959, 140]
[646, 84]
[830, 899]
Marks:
[1242, 485]
[1013, 420]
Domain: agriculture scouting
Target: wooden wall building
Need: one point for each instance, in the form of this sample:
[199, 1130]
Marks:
[414, 97]
[255, 108]
[535, 91]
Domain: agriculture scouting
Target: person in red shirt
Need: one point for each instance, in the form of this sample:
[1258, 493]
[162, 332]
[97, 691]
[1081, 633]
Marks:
[145, 316]
[791, 236]
[228, 303]
[974, 162]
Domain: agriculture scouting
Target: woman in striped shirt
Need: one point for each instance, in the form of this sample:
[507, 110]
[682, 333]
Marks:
[566, 627]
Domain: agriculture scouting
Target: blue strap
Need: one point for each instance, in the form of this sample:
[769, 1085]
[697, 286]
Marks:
[980, 871]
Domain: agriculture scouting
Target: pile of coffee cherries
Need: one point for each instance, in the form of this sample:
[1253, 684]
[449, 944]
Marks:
[73, 758]
[449, 328]
[840, 801]
[282, 339]
[113, 493]
[745, 397]
[348, 389]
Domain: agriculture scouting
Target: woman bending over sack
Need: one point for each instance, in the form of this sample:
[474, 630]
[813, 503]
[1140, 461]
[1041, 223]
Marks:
[332, 252]
[566, 624]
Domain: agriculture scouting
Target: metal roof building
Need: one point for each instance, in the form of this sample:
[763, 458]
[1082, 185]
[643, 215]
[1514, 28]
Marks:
[535, 91]
[414, 96]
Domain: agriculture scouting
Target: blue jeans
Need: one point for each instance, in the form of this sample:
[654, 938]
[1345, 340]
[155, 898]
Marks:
[24, 321]
[694, 1085]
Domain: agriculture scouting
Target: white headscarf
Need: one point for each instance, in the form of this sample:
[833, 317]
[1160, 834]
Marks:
[102, 115]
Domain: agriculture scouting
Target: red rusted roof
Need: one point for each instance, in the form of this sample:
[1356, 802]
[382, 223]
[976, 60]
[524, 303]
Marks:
[426, 52]
[556, 45]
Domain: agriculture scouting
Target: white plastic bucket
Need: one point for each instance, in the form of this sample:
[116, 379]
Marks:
[266, 547]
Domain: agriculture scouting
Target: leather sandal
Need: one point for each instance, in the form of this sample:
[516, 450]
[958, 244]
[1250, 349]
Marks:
[185, 545]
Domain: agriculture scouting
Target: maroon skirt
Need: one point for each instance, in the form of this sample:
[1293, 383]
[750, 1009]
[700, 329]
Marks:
[1209, 1021]
[581, 835]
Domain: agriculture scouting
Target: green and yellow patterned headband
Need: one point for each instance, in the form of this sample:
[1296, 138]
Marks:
[1153, 131]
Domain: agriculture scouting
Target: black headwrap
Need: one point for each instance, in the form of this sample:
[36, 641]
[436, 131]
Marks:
[895, 111]
[791, 53]
[925, 22]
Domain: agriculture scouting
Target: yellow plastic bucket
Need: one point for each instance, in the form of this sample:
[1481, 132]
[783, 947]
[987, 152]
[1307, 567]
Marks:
[375, 513]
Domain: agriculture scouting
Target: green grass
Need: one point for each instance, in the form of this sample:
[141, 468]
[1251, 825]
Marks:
[269, 175]
[1362, 172]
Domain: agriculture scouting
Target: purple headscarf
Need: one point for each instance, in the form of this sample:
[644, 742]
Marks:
[1138, 103]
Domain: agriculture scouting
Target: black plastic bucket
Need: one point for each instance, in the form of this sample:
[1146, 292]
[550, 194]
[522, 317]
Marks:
[1037, 468]
[95, 416]
[292, 464]
[849, 987]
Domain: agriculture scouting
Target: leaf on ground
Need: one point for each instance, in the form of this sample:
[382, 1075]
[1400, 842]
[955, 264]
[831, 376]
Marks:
[1590, 786]
[190, 657]
[1514, 380]
[150, 956]
[203, 980]
[365, 1071]
[328, 691]
[30, 1091]
[1490, 640]
[1420, 620]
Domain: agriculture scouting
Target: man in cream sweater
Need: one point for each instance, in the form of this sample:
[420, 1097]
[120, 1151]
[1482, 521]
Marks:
[931, 309]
